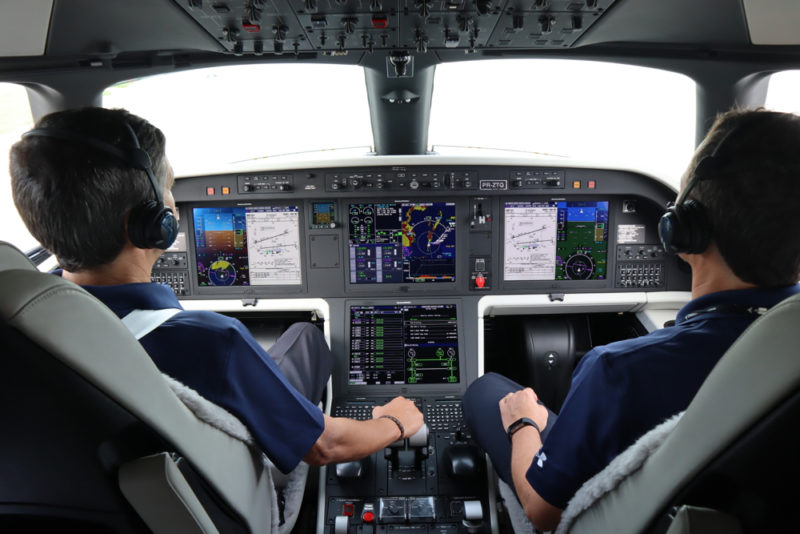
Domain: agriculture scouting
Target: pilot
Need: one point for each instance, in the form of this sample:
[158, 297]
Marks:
[735, 225]
[88, 194]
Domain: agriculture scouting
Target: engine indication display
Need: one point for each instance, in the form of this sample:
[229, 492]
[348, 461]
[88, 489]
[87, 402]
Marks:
[242, 246]
[403, 344]
[402, 242]
[556, 240]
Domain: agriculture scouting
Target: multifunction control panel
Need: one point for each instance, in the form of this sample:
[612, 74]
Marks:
[172, 269]
[640, 266]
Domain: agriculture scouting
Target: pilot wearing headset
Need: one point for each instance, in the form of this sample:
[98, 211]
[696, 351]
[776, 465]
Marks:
[735, 224]
[94, 187]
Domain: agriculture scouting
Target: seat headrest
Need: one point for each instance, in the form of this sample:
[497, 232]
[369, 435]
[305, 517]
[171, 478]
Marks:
[13, 258]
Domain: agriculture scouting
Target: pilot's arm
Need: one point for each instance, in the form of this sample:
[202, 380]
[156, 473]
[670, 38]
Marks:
[525, 443]
[347, 439]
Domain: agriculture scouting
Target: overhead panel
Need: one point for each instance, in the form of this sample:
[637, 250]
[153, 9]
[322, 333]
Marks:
[773, 22]
[23, 27]
[335, 26]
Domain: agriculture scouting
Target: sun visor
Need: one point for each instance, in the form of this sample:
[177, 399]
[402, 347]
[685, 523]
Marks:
[773, 22]
[23, 27]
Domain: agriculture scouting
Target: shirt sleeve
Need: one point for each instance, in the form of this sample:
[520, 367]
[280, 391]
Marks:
[585, 436]
[283, 422]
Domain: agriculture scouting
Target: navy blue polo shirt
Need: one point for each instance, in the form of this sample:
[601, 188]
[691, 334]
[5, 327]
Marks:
[622, 390]
[218, 357]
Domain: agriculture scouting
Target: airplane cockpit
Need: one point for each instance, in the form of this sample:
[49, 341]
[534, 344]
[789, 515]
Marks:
[425, 265]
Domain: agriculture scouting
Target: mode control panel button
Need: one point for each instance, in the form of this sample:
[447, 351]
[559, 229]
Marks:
[266, 183]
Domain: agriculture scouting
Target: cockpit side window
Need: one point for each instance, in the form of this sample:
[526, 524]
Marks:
[783, 93]
[15, 118]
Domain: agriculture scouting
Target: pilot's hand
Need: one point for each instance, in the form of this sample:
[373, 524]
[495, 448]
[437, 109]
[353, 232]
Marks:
[522, 403]
[405, 410]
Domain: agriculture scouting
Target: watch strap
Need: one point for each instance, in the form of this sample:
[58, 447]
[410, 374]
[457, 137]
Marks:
[519, 423]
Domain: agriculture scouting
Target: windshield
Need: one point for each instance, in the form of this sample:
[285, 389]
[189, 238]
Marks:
[627, 116]
[216, 116]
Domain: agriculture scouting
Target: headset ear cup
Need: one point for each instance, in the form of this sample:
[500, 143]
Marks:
[168, 228]
[668, 229]
[684, 228]
[694, 219]
[151, 225]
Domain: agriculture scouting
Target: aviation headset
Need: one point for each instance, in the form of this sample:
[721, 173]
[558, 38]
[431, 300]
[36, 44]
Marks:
[685, 226]
[150, 224]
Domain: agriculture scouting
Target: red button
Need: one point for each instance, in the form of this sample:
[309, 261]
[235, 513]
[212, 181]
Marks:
[348, 509]
[368, 517]
[379, 22]
[592, 184]
[480, 281]
[209, 191]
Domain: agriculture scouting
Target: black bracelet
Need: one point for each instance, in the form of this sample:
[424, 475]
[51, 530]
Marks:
[398, 423]
[519, 423]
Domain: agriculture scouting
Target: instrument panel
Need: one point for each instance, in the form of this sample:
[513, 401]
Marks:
[388, 231]
[403, 256]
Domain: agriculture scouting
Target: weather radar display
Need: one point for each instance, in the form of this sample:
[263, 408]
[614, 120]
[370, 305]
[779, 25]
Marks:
[556, 240]
[402, 242]
[242, 246]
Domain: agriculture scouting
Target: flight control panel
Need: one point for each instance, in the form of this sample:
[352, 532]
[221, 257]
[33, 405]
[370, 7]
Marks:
[433, 230]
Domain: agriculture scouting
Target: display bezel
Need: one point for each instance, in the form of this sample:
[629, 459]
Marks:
[342, 375]
[249, 291]
[557, 284]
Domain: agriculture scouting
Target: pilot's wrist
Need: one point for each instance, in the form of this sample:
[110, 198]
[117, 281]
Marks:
[397, 422]
[520, 424]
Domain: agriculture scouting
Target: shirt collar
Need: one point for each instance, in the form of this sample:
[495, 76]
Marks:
[756, 298]
[124, 298]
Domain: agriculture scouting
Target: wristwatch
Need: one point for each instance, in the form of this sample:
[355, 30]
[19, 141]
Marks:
[519, 423]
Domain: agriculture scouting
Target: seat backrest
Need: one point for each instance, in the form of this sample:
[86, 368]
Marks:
[81, 398]
[735, 448]
[12, 258]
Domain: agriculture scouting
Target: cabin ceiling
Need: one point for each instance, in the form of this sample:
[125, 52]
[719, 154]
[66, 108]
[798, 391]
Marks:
[350, 31]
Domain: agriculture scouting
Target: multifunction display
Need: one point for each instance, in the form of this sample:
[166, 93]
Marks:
[403, 344]
[393, 243]
[556, 240]
[242, 246]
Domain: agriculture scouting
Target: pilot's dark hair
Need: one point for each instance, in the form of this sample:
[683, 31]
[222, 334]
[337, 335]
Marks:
[74, 198]
[752, 195]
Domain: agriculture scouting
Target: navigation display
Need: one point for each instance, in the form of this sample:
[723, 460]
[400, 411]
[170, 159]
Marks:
[242, 246]
[556, 240]
[403, 344]
[402, 242]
